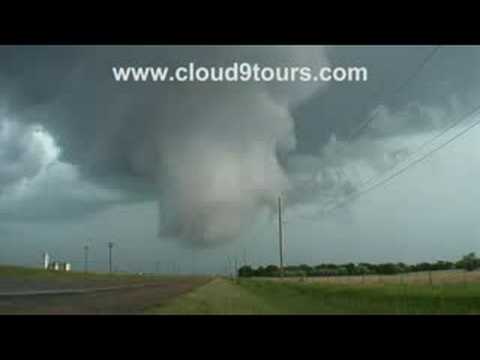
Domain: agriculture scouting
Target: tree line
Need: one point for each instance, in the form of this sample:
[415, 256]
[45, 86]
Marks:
[468, 262]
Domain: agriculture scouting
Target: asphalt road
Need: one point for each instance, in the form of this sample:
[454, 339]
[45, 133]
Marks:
[119, 299]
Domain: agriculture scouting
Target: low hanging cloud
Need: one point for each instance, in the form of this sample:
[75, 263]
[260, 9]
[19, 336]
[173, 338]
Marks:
[211, 150]
[221, 166]
[57, 193]
[36, 186]
[24, 151]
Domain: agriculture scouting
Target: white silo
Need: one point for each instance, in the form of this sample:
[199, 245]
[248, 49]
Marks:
[46, 260]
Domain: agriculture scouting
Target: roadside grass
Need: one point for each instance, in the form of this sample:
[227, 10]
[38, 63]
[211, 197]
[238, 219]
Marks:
[34, 274]
[219, 296]
[248, 296]
[308, 298]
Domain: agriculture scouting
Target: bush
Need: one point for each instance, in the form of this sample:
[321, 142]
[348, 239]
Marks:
[323, 272]
[361, 270]
[388, 269]
[246, 271]
[295, 273]
[470, 262]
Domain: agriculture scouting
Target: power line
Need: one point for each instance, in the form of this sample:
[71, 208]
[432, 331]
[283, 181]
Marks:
[461, 133]
[398, 89]
[442, 132]
[413, 163]
[85, 248]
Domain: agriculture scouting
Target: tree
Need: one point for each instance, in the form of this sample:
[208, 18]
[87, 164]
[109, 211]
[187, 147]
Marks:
[350, 268]
[361, 270]
[260, 271]
[387, 269]
[470, 262]
[305, 268]
[370, 268]
[272, 270]
[246, 271]
[402, 267]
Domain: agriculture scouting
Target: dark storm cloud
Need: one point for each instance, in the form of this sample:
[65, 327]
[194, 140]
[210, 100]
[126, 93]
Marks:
[218, 152]
[21, 154]
[209, 148]
[401, 101]
[452, 71]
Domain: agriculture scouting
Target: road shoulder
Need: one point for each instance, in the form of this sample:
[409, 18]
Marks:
[219, 296]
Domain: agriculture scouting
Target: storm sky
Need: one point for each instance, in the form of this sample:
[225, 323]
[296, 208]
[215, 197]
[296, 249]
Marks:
[185, 177]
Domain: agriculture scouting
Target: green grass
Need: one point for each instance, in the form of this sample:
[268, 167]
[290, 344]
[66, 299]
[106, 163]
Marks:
[268, 297]
[257, 296]
[217, 297]
[32, 274]
[371, 299]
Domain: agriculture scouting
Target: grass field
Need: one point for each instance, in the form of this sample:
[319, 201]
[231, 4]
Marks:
[253, 296]
[439, 277]
[32, 273]
[21, 278]
[441, 292]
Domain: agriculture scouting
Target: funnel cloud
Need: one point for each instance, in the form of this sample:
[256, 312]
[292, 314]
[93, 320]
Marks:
[210, 149]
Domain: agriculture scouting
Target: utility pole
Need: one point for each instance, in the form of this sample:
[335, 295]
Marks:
[193, 263]
[229, 267]
[235, 267]
[85, 249]
[110, 246]
[280, 234]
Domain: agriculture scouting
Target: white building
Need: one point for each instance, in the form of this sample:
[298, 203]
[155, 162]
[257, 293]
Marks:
[59, 266]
